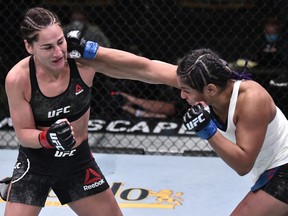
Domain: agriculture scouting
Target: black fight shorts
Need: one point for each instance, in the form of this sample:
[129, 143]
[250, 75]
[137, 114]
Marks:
[275, 183]
[30, 185]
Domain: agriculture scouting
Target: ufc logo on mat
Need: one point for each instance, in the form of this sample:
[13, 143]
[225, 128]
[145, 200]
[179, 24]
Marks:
[57, 112]
[194, 122]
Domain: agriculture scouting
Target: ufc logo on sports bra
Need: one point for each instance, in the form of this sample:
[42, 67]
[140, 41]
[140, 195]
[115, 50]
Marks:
[192, 124]
[57, 112]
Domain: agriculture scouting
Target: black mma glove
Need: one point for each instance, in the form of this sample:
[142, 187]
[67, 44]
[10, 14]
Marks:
[78, 47]
[198, 119]
[58, 136]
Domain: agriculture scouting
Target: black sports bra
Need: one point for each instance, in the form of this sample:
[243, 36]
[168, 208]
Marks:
[71, 104]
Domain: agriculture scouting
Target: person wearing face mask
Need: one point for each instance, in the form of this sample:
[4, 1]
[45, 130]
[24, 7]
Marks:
[271, 39]
[90, 31]
[269, 56]
[264, 52]
[282, 79]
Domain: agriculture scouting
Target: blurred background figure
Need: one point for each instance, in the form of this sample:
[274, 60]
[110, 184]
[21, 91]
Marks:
[264, 51]
[282, 79]
[130, 99]
[144, 108]
[90, 31]
[270, 55]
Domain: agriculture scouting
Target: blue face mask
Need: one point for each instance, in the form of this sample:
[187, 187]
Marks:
[271, 38]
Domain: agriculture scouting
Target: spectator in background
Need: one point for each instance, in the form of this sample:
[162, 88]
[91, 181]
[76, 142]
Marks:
[282, 79]
[90, 31]
[127, 99]
[145, 108]
[270, 54]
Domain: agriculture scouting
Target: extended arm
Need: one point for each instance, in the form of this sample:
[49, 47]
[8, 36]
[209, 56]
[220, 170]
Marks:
[120, 64]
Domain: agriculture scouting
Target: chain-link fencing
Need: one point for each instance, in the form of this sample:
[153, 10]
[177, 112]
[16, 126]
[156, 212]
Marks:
[239, 30]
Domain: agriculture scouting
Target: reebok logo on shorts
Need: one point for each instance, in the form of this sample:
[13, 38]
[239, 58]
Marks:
[92, 180]
[91, 176]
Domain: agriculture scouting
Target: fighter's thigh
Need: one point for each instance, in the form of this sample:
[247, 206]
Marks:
[26, 187]
[16, 209]
[260, 203]
[103, 203]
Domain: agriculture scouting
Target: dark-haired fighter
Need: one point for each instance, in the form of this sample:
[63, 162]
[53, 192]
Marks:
[242, 124]
[49, 98]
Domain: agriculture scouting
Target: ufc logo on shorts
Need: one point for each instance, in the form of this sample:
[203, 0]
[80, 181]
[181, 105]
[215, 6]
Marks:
[194, 122]
[65, 153]
[55, 140]
[57, 112]
[17, 166]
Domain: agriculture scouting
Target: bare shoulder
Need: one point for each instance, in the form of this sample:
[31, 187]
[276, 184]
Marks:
[19, 74]
[87, 69]
[253, 98]
[250, 88]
